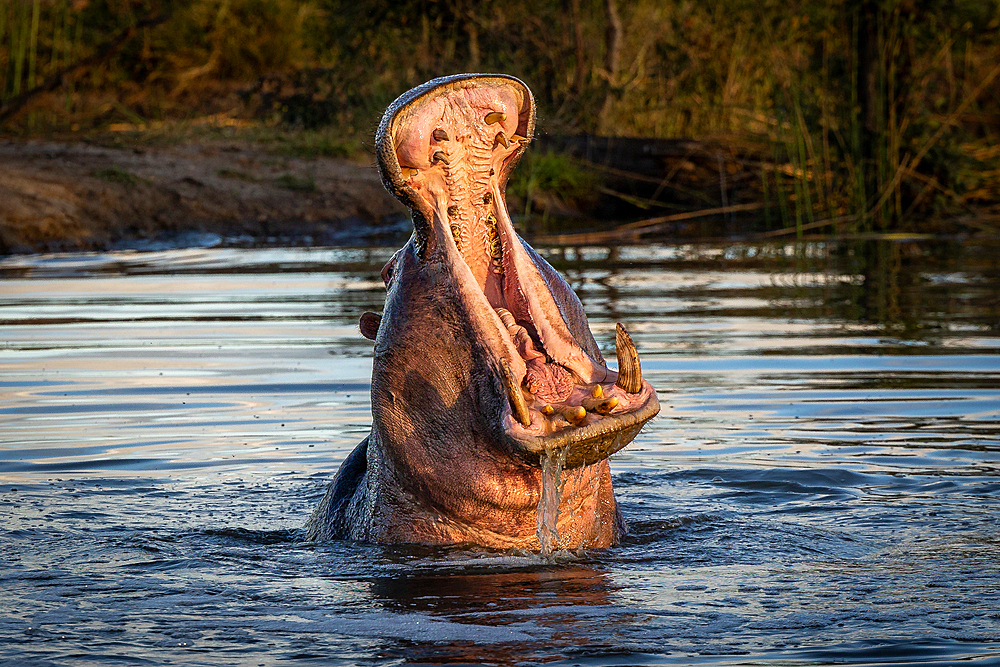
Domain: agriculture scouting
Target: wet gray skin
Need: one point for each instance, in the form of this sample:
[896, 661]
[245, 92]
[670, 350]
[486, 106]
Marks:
[484, 362]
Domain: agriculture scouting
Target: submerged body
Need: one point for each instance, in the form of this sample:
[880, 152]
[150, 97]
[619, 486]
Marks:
[484, 364]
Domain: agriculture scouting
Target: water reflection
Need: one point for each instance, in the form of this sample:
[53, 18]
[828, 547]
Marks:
[821, 484]
[915, 289]
[897, 284]
[491, 591]
[552, 609]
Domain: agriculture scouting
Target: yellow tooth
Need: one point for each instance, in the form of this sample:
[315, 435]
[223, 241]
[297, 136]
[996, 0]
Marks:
[517, 137]
[629, 369]
[514, 395]
[506, 317]
[440, 135]
[547, 410]
[495, 117]
[575, 414]
[597, 391]
[441, 157]
[601, 406]
[408, 172]
[502, 139]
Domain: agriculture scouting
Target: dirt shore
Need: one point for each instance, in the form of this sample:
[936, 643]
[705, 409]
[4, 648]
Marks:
[75, 196]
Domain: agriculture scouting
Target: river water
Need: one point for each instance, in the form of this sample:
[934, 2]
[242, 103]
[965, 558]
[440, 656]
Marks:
[821, 486]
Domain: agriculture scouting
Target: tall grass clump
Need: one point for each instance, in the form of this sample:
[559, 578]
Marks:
[864, 115]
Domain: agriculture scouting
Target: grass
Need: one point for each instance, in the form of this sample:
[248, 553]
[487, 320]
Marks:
[296, 183]
[542, 180]
[791, 76]
[236, 175]
[119, 176]
[275, 140]
[310, 143]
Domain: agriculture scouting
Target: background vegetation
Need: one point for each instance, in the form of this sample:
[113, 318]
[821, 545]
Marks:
[864, 115]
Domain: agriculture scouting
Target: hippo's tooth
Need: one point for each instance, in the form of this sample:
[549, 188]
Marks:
[575, 414]
[441, 157]
[517, 137]
[597, 391]
[629, 371]
[506, 317]
[440, 135]
[547, 409]
[601, 406]
[495, 117]
[408, 171]
[502, 139]
[514, 395]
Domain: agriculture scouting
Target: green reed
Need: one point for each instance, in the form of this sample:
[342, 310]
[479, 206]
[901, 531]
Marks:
[842, 96]
[19, 43]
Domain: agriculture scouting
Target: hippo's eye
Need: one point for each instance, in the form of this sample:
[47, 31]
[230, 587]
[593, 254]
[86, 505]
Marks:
[388, 270]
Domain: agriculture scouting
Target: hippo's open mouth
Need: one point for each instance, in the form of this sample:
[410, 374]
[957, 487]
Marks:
[446, 150]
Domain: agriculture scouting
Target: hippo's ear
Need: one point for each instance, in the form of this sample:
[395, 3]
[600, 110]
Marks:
[369, 325]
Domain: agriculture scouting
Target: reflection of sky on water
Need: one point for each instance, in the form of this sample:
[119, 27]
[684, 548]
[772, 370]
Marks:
[819, 487]
[255, 355]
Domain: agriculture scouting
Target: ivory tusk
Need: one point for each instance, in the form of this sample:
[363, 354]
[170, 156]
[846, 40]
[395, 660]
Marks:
[629, 370]
[514, 395]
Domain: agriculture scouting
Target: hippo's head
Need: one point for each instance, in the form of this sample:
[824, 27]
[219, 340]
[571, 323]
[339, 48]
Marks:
[484, 361]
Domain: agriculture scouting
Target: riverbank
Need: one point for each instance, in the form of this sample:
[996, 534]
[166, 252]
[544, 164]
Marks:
[58, 196]
[150, 193]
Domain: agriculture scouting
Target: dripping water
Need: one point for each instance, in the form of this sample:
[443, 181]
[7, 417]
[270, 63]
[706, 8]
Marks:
[548, 504]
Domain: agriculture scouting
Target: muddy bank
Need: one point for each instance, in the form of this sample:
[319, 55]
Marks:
[62, 196]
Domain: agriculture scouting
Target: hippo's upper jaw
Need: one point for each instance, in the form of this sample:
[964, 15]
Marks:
[446, 149]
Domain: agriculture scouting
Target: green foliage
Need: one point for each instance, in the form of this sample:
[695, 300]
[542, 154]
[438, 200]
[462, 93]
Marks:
[116, 174]
[293, 182]
[871, 110]
[236, 175]
[546, 180]
[311, 143]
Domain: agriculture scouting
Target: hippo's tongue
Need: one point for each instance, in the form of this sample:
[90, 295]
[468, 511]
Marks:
[451, 150]
[549, 381]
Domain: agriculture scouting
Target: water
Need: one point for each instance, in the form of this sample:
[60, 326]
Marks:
[821, 486]
[548, 502]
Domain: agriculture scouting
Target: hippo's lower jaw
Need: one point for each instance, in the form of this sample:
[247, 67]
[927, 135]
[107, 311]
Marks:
[589, 420]
[447, 152]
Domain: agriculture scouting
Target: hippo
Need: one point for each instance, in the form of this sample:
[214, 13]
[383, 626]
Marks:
[485, 371]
